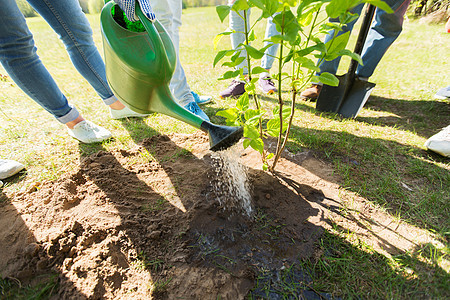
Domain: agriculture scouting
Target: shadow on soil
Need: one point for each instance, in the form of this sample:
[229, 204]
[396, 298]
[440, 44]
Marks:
[413, 171]
[193, 247]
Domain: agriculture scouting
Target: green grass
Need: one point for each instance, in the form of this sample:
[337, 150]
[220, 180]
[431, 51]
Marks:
[376, 155]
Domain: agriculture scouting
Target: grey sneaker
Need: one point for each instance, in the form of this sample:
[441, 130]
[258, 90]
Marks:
[87, 132]
[235, 89]
[193, 108]
[266, 85]
[9, 168]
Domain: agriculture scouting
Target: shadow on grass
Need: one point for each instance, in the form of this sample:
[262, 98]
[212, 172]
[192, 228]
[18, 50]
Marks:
[411, 184]
[412, 115]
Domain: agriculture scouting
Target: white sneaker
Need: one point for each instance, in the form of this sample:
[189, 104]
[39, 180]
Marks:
[87, 132]
[440, 142]
[124, 113]
[9, 168]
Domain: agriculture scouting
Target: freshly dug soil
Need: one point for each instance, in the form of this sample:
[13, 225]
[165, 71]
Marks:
[169, 228]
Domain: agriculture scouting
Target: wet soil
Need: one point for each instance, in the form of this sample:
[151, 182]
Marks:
[119, 227]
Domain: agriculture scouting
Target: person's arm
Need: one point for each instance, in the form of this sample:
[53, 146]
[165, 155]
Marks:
[128, 6]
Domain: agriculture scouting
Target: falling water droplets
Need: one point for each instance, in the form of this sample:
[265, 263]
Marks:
[232, 185]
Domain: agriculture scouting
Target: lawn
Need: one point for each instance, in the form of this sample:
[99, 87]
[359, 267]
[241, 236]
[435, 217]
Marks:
[378, 156]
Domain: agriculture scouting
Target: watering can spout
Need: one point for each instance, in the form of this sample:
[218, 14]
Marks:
[139, 66]
[221, 137]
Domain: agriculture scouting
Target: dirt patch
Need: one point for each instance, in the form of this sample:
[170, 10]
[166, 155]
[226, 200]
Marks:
[124, 227]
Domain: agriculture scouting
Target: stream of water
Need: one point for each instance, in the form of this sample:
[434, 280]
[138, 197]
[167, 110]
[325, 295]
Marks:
[232, 186]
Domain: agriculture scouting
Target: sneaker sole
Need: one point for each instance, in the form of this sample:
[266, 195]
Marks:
[203, 102]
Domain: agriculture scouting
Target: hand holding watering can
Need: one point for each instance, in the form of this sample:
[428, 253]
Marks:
[128, 6]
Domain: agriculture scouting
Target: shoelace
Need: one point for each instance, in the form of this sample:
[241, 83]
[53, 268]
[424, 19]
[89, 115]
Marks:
[87, 127]
[193, 108]
[235, 83]
[270, 82]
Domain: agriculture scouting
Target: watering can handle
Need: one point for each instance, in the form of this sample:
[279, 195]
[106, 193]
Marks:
[165, 48]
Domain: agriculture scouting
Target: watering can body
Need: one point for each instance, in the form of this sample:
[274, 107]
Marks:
[139, 67]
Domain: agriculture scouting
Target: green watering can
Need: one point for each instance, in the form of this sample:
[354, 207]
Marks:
[139, 66]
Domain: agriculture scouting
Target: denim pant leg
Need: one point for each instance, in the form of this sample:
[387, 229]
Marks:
[237, 25]
[383, 32]
[331, 66]
[168, 13]
[270, 53]
[73, 28]
[19, 58]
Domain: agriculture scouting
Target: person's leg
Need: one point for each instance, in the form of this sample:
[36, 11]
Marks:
[265, 83]
[19, 58]
[177, 8]
[270, 53]
[331, 66]
[384, 31]
[164, 11]
[73, 28]
[237, 25]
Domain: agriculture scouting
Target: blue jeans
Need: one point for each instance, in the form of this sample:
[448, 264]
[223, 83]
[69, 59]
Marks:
[237, 24]
[383, 32]
[19, 58]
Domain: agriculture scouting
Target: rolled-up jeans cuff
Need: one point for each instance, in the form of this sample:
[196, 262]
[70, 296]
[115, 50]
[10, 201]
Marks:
[110, 100]
[70, 116]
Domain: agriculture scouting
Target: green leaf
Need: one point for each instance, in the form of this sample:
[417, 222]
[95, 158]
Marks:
[220, 55]
[286, 112]
[380, 4]
[251, 36]
[270, 155]
[243, 102]
[228, 114]
[223, 11]
[218, 37]
[336, 8]
[353, 55]
[240, 5]
[306, 18]
[273, 127]
[348, 17]
[251, 132]
[258, 70]
[328, 79]
[257, 144]
[276, 39]
[230, 74]
[252, 116]
[288, 57]
[250, 86]
[289, 23]
[338, 43]
[234, 63]
[307, 63]
[290, 3]
[254, 53]
[246, 143]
